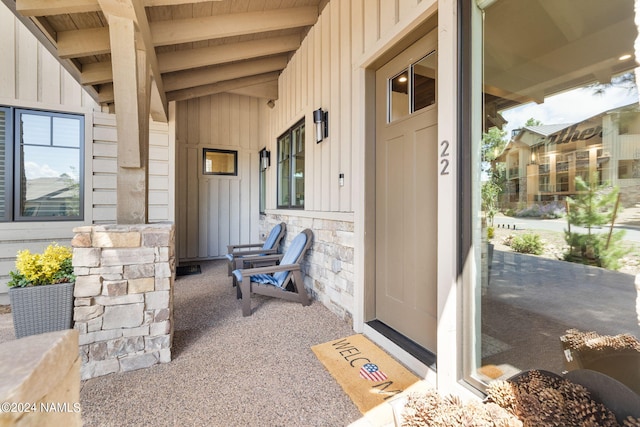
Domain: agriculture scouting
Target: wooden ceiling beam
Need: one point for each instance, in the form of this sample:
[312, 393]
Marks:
[151, 3]
[267, 90]
[105, 94]
[234, 24]
[196, 92]
[185, 59]
[96, 73]
[133, 11]
[159, 108]
[100, 72]
[95, 41]
[204, 76]
[87, 42]
[61, 7]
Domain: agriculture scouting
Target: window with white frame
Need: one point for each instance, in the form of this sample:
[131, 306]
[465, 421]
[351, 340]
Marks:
[291, 167]
[41, 165]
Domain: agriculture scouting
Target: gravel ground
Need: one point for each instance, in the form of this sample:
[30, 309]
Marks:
[226, 370]
[229, 370]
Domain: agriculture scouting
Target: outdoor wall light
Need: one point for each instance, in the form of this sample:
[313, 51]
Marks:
[321, 120]
[265, 159]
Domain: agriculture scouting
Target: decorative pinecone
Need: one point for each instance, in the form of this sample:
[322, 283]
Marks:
[578, 340]
[501, 393]
[541, 400]
[429, 409]
[631, 422]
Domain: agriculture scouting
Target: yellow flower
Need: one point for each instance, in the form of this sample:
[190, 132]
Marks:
[52, 266]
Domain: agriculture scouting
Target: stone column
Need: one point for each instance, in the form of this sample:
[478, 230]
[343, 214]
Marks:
[123, 296]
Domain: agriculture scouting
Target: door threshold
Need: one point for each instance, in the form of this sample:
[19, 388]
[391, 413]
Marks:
[414, 356]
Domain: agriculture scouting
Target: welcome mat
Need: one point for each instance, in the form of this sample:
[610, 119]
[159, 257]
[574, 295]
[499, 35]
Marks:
[364, 371]
[185, 270]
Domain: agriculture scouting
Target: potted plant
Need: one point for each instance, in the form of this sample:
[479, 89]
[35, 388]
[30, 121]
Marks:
[41, 291]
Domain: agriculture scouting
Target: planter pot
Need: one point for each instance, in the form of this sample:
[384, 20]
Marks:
[41, 309]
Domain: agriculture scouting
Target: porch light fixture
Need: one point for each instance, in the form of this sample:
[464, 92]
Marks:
[265, 159]
[321, 120]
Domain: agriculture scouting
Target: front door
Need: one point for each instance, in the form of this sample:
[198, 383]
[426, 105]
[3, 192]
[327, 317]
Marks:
[406, 192]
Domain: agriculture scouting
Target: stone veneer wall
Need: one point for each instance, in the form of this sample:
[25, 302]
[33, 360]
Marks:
[123, 296]
[328, 266]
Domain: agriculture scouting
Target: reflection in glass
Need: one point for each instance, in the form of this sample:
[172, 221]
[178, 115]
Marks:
[36, 129]
[298, 166]
[220, 162]
[50, 167]
[557, 189]
[3, 165]
[399, 96]
[284, 170]
[291, 167]
[424, 82]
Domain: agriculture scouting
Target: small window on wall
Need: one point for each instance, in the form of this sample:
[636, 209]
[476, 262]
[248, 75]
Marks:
[291, 167]
[220, 162]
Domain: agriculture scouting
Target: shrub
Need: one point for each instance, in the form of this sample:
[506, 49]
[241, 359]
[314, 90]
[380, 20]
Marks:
[52, 266]
[528, 243]
[490, 232]
[531, 211]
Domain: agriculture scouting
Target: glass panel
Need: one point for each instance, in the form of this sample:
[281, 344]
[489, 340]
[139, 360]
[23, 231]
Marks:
[399, 96]
[66, 132]
[557, 194]
[36, 129]
[220, 162]
[424, 82]
[3, 167]
[263, 190]
[284, 171]
[50, 182]
[49, 176]
[298, 166]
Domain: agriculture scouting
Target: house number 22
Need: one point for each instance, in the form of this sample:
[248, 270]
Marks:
[443, 161]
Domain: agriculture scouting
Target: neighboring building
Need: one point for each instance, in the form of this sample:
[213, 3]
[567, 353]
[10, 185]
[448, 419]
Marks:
[391, 189]
[542, 162]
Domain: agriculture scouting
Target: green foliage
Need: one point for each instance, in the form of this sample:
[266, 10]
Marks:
[490, 232]
[489, 195]
[533, 122]
[593, 207]
[54, 265]
[493, 142]
[528, 243]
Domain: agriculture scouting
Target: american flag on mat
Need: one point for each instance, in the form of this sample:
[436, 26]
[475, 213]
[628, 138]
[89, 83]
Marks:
[371, 372]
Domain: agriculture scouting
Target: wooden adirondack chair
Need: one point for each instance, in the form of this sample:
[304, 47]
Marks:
[281, 281]
[236, 253]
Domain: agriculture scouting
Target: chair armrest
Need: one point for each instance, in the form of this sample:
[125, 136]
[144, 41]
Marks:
[255, 252]
[265, 260]
[246, 272]
[231, 248]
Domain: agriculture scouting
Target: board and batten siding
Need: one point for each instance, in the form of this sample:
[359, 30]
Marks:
[334, 69]
[30, 77]
[213, 211]
[326, 72]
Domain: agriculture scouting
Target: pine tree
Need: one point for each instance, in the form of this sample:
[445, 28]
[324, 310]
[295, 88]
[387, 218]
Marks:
[593, 206]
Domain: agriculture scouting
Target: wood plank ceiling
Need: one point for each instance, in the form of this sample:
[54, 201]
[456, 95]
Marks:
[191, 48]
